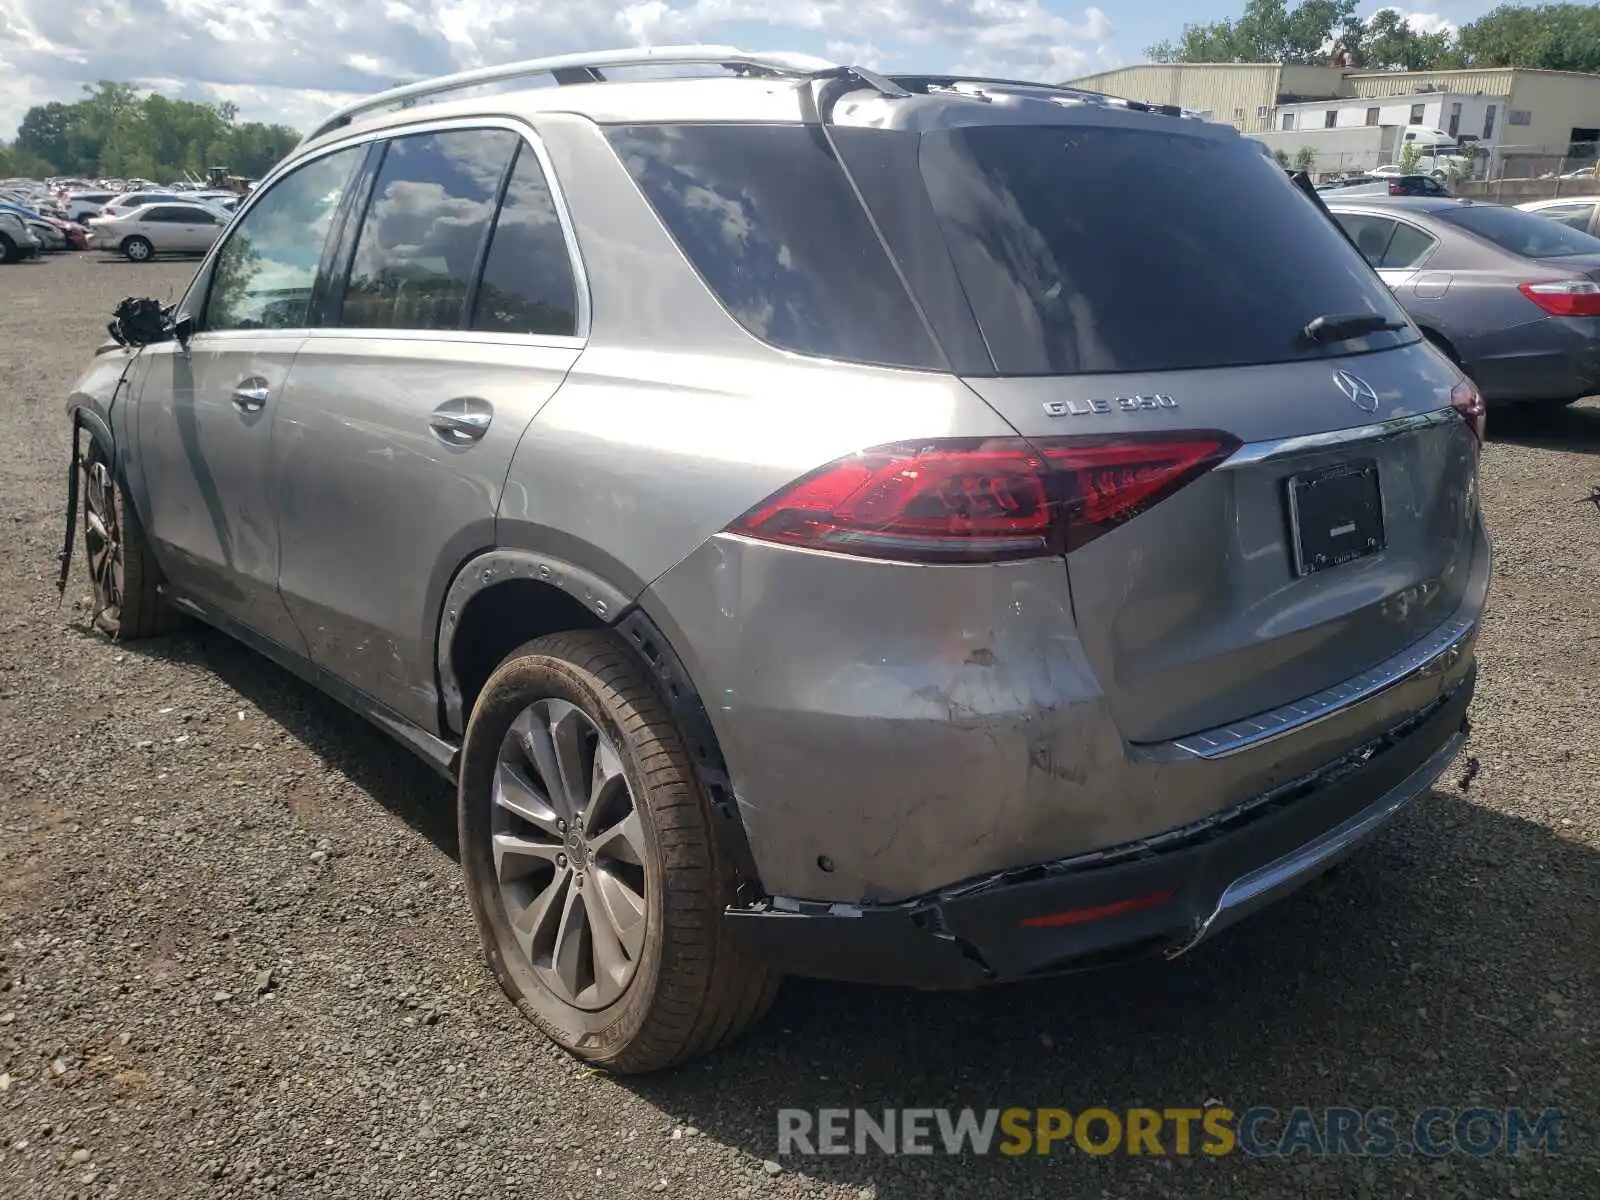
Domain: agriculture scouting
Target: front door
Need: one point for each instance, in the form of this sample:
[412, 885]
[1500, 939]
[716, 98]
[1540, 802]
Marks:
[398, 427]
[205, 425]
[205, 412]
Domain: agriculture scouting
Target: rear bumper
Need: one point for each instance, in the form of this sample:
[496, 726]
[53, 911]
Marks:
[890, 731]
[1557, 358]
[1162, 895]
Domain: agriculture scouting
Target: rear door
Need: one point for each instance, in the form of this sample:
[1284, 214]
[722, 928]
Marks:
[205, 413]
[1145, 289]
[397, 429]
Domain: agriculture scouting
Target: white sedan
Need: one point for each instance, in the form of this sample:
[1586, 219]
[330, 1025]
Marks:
[155, 229]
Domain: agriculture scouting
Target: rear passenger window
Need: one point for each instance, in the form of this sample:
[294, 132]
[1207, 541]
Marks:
[766, 217]
[418, 246]
[1408, 247]
[1370, 234]
[527, 282]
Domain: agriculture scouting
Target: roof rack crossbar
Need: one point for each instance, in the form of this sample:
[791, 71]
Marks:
[577, 68]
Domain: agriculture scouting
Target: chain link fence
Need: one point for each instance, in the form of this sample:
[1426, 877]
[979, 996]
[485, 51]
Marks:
[1572, 161]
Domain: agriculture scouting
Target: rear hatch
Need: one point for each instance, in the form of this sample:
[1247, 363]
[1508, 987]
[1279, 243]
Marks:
[1138, 280]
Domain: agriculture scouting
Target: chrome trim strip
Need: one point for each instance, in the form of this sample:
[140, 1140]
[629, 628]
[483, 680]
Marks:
[1437, 652]
[1256, 889]
[1252, 453]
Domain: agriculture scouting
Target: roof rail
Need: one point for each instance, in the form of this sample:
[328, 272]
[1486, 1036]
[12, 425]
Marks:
[578, 68]
[1066, 91]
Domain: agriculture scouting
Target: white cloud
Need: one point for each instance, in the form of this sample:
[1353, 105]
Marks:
[1424, 22]
[292, 60]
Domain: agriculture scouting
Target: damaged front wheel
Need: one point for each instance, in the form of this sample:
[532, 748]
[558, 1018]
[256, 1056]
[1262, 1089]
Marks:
[124, 575]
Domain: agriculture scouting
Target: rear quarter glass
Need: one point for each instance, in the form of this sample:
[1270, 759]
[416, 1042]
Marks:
[767, 218]
[1092, 249]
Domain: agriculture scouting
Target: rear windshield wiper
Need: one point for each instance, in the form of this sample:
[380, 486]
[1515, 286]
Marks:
[1336, 327]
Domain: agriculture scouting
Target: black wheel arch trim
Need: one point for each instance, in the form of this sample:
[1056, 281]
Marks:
[700, 739]
[484, 571]
[655, 653]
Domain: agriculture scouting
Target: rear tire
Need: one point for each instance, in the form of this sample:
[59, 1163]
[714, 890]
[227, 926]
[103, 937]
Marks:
[138, 249]
[122, 571]
[680, 989]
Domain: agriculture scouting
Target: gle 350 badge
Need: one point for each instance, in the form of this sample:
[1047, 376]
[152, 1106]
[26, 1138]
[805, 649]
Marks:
[1117, 404]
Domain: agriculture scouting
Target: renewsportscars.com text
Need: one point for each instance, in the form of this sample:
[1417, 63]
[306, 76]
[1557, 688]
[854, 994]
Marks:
[1261, 1132]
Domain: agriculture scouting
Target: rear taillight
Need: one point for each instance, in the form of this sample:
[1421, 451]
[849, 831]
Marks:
[1565, 297]
[966, 500]
[1397, 189]
[1468, 401]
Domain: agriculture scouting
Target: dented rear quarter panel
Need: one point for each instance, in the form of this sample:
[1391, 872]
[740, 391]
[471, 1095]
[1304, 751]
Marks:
[923, 726]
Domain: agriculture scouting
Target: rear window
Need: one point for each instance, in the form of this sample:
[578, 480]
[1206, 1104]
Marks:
[1524, 233]
[1090, 249]
[766, 217]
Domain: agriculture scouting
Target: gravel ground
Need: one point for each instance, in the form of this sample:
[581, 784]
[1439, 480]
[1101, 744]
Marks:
[235, 958]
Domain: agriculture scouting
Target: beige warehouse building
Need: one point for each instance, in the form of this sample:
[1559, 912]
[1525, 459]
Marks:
[1547, 111]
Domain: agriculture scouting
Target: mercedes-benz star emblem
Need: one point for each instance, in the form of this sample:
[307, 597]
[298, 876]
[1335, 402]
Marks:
[1357, 390]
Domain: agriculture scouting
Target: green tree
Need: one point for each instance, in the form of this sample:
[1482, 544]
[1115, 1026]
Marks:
[1409, 157]
[1554, 37]
[1557, 37]
[1267, 31]
[45, 133]
[1388, 43]
[1305, 159]
[116, 130]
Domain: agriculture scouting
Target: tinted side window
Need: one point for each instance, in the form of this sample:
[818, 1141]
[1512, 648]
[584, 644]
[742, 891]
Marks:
[527, 282]
[1408, 247]
[766, 217]
[1370, 234]
[418, 247]
[163, 216]
[266, 268]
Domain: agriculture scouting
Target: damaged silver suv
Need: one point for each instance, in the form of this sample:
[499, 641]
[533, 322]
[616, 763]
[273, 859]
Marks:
[824, 523]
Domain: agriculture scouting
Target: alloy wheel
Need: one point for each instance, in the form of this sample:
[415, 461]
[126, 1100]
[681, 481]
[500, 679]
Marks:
[102, 537]
[569, 854]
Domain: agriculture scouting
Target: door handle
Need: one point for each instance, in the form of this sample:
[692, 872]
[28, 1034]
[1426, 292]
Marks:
[461, 421]
[251, 395]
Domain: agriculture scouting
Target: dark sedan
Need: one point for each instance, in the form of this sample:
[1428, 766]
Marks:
[1512, 297]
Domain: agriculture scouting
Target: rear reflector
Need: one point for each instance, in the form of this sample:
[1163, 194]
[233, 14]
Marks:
[1565, 297]
[1468, 401]
[981, 500]
[1077, 916]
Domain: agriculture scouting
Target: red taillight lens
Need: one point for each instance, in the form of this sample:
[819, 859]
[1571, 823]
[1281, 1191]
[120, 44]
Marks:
[1468, 401]
[963, 500]
[1565, 297]
[1397, 189]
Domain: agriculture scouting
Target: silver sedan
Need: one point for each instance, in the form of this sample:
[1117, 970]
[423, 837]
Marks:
[155, 229]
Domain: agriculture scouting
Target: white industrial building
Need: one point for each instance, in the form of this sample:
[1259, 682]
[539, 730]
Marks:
[1541, 119]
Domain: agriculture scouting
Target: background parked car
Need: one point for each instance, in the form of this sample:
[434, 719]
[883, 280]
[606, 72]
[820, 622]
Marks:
[1396, 185]
[81, 206]
[179, 228]
[1511, 296]
[16, 239]
[121, 206]
[1580, 212]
